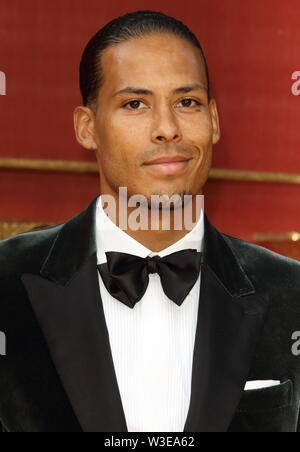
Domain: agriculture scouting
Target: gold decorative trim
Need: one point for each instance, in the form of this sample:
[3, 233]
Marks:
[254, 176]
[92, 167]
[49, 165]
[10, 228]
[287, 244]
[273, 237]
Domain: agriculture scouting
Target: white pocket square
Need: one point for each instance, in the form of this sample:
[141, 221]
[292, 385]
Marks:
[259, 384]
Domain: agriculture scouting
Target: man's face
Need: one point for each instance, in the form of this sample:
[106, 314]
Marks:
[129, 129]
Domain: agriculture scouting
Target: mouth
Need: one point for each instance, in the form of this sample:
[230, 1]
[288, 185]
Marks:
[168, 168]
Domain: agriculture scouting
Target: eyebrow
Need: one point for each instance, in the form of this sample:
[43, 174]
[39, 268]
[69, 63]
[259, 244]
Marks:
[147, 92]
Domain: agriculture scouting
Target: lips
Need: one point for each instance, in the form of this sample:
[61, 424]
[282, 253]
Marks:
[169, 159]
[168, 167]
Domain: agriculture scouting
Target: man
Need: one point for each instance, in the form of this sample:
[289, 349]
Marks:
[163, 330]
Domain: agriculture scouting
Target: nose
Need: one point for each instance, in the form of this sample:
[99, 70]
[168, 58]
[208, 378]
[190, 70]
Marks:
[166, 128]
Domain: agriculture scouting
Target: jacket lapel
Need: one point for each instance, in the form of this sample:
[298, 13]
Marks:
[230, 318]
[67, 302]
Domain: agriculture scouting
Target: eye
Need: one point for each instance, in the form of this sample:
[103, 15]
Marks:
[188, 100]
[133, 103]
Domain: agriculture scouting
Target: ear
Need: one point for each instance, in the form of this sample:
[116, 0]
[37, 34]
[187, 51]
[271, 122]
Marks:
[215, 121]
[84, 125]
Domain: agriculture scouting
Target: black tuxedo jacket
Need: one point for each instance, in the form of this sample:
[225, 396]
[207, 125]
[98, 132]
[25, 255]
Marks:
[58, 373]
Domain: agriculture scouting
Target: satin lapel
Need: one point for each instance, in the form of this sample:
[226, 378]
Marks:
[73, 323]
[230, 318]
[225, 342]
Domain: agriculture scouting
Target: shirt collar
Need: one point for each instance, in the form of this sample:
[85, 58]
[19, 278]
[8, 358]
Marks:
[109, 237]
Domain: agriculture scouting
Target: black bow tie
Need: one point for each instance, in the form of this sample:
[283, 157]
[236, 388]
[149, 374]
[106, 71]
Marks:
[126, 276]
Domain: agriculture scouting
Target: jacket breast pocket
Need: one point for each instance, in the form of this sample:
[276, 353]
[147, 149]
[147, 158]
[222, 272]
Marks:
[269, 398]
[268, 409]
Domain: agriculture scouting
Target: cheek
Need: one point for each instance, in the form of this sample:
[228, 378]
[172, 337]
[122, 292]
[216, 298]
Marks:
[118, 148]
[198, 130]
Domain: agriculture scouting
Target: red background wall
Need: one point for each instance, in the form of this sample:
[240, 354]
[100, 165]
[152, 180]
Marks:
[252, 48]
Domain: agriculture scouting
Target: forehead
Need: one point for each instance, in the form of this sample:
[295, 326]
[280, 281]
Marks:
[161, 58]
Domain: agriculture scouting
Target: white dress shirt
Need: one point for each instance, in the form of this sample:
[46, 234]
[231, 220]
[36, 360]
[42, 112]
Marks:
[152, 344]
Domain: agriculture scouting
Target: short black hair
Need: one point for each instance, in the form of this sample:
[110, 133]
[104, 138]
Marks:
[131, 25]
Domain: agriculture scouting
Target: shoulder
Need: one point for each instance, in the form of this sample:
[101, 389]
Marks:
[252, 254]
[269, 271]
[25, 252]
